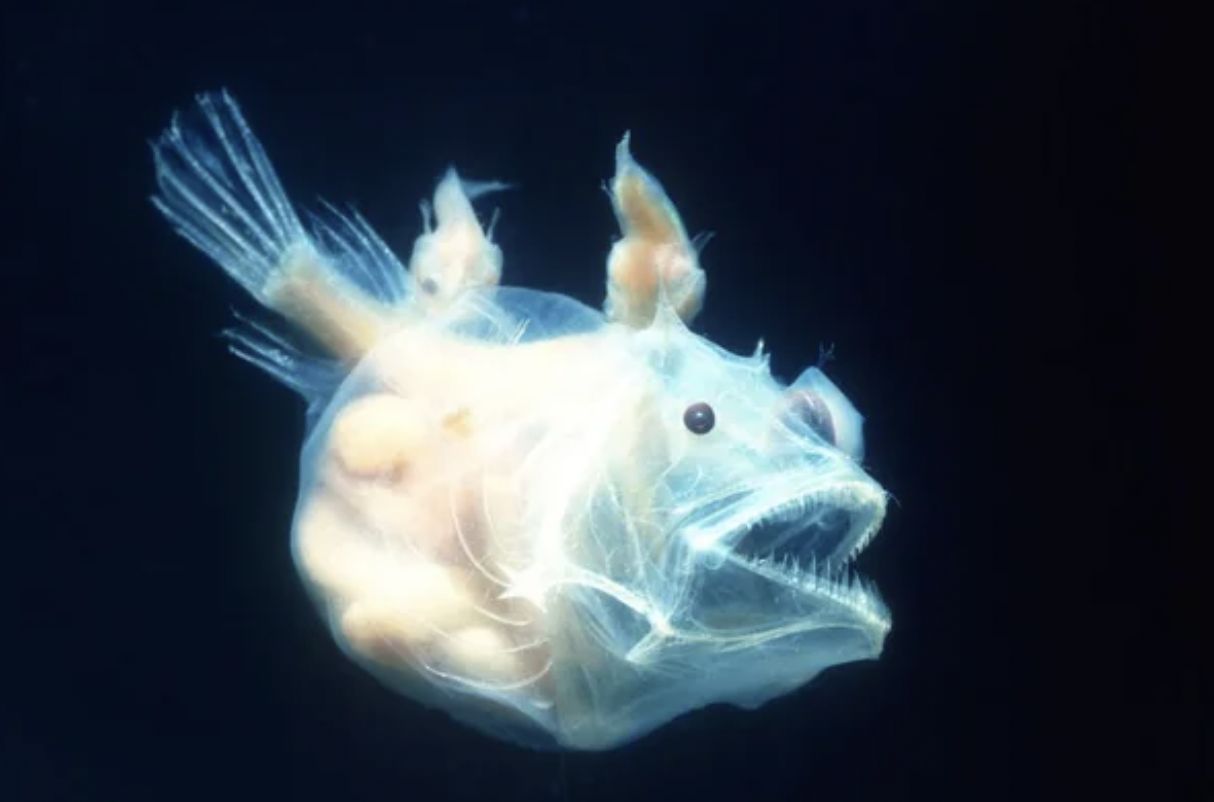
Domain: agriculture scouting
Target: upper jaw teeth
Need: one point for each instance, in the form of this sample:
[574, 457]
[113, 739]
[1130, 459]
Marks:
[802, 520]
[794, 500]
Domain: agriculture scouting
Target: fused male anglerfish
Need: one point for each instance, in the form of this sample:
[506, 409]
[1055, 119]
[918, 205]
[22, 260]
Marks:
[563, 526]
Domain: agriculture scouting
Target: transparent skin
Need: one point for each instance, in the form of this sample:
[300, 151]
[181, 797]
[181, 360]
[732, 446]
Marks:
[565, 527]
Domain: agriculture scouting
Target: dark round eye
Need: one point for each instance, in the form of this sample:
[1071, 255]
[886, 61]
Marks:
[699, 418]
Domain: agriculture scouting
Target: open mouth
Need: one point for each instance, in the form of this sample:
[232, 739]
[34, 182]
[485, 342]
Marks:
[806, 541]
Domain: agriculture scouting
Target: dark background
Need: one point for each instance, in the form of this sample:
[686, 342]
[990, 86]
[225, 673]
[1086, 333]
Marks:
[968, 199]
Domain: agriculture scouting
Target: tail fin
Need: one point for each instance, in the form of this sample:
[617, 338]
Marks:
[338, 281]
[220, 192]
